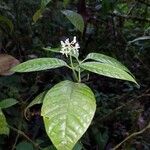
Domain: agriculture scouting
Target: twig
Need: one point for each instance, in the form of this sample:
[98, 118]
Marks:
[19, 127]
[131, 136]
[15, 143]
[122, 106]
[132, 8]
[25, 136]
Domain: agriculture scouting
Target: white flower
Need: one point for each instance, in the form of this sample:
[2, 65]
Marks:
[68, 47]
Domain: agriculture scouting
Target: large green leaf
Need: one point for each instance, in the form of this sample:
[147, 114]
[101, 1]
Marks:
[67, 110]
[106, 59]
[39, 64]
[107, 70]
[8, 103]
[3, 124]
[75, 18]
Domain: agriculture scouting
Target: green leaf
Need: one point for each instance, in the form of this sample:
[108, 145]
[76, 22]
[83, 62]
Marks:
[37, 15]
[68, 109]
[7, 103]
[107, 70]
[37, 100]
[7, 22]
[55, 50]
[39, 64]
[107, 60]
[66, 2]
[3, 124]
[143, 38]
[24, 146]
[75, 18]
[44, 3]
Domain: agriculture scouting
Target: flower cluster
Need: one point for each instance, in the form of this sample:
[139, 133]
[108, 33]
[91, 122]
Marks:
[68, 47]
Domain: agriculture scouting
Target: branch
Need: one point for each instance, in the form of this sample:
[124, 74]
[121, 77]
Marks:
[131, 17]
[122, 106]
[25, 136]
[131, 136]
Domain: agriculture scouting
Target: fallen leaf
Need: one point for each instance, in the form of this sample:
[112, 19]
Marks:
[6, 63]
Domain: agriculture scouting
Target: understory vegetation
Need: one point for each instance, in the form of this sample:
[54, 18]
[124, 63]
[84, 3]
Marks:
[74, 75]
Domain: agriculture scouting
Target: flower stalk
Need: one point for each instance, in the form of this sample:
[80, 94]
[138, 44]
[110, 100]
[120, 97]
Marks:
[72, 49]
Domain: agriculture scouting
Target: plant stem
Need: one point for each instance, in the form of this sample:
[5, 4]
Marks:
[72, 67]
[19, 128]
[79, 72]
[25, 136]
[79, 75]
[131, 136]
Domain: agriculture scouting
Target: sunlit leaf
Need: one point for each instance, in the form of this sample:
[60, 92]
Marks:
[68, 109]
[107, 70]
[107, 60]
[39, 64]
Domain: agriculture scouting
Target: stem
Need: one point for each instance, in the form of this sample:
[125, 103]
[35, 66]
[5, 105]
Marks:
[25, 136]
[79, 72]
[19, 128]
[79, 75]
[72, 67]
[131, 136]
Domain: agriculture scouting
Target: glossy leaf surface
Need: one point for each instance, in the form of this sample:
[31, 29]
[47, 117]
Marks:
[67, 110]
[107, 70]
[107, 60]
[39, 64]
[75, 18]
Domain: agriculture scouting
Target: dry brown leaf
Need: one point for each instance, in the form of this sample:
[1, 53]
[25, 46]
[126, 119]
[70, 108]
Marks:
[6, 63]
